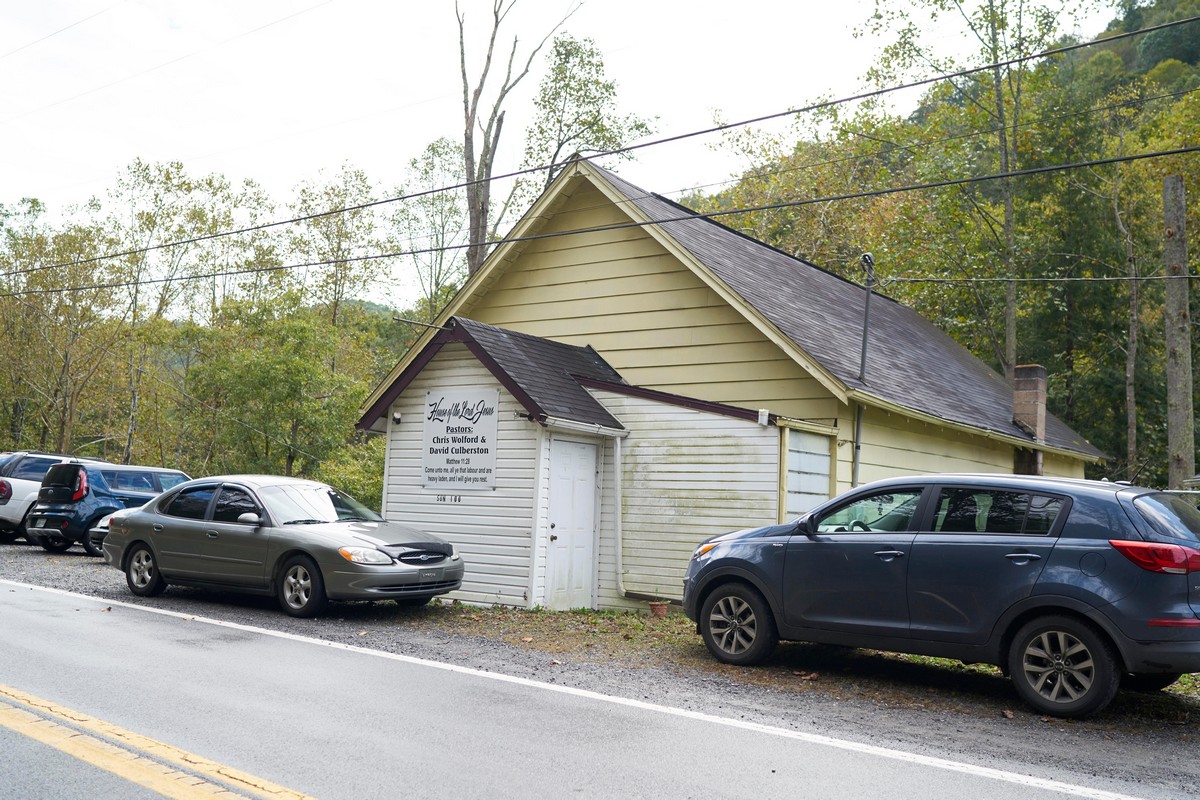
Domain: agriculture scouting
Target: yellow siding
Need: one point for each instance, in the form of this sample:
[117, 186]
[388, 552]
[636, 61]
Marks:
[646, 313]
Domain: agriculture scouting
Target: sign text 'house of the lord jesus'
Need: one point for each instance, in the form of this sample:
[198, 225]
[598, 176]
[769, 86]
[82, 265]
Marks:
[459, 445]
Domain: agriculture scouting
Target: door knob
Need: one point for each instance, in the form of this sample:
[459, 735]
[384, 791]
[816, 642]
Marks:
[553, 537]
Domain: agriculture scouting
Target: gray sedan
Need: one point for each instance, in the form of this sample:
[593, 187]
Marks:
[302, 541]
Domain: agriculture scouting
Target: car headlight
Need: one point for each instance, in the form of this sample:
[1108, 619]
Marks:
[364, 555]
[454, 554]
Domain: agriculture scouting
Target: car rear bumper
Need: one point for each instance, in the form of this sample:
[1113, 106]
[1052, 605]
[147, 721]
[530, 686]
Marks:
[51, 524]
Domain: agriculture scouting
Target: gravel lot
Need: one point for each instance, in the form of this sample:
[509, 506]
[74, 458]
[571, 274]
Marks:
[1142, 745]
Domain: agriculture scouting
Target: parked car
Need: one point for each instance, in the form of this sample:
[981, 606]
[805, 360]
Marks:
[21, 474]
[302, 541]
[1073, 588]
[75, 495]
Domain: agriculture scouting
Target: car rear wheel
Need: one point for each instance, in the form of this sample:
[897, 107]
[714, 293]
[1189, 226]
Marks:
[141, 572]
[54, 543]
[1149, 682]
[8, 537]
[301, 590]
[737, 625]
[1063, 667]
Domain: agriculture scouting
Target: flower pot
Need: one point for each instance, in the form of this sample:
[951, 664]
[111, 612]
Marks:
[658, 608]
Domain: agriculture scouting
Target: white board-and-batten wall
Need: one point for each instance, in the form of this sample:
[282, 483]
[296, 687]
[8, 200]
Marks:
[685, 474]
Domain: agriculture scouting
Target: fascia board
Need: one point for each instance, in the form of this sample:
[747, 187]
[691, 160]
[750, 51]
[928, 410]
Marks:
[1027, 444]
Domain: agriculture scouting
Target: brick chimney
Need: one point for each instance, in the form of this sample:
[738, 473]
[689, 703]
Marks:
[1029, 414]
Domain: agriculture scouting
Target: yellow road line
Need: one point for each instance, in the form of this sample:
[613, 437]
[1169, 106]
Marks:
[138, 759]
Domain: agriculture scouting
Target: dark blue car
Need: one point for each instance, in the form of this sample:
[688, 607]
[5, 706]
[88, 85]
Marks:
[1073, 588]
[76, 495]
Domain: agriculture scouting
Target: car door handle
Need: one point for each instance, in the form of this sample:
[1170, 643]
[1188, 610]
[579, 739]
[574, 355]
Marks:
[157, 528]
[1023, 558]
[212, 534]
[888, 555]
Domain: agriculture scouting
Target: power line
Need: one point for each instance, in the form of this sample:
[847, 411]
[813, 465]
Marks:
[691, 216]
[628, 149]
[63, 29]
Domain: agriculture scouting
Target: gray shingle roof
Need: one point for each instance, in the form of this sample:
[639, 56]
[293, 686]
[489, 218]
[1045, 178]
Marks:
[910, 362]
[541, 373]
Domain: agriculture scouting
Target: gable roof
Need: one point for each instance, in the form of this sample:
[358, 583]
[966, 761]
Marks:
[541, 374]
[816, 317]
[911, 363]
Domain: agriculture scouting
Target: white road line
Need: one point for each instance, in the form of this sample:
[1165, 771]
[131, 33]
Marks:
[811, 738]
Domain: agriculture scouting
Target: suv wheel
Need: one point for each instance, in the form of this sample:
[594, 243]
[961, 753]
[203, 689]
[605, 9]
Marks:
[1063, 667]
[737, 625]
[53, 543]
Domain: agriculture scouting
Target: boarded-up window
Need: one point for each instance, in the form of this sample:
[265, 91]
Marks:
[808, 471]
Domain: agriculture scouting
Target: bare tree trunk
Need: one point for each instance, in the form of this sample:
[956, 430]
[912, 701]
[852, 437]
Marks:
[1181, 423]
[477, 169]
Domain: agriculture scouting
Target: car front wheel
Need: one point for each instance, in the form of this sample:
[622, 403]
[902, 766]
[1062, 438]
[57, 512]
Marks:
[737, 625]
[1063, 667]
[141, 573]
[300, 589]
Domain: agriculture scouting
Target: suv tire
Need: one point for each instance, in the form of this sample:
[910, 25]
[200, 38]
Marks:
[737, 625]
[1063, 667]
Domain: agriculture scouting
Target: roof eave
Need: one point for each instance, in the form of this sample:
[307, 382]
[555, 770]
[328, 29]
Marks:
[871, 400]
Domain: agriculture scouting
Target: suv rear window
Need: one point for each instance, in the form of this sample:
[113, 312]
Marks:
[1170, 514]
[61, 475]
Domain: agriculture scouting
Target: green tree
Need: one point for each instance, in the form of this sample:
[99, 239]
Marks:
[577, 109]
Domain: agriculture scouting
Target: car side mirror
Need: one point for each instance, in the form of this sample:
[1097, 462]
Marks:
[250, 518]
[806, 525]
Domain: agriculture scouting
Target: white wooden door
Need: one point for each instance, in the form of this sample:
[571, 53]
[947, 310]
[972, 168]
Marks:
[570, 541]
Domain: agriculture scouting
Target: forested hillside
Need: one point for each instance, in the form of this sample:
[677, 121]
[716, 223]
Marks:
[1059, 264]
[1007, 207]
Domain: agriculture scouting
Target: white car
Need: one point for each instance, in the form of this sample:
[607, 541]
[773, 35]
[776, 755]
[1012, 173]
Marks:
[21, 474]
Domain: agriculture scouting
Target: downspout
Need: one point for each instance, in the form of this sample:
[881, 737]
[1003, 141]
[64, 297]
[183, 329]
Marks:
[617, 514]
[869, 264]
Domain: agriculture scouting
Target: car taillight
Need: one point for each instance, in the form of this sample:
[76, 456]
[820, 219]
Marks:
[5, 491]
[80, 486]
[1174, 559]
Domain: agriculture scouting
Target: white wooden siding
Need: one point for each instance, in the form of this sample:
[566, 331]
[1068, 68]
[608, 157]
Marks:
[686, 475]
[492, 529]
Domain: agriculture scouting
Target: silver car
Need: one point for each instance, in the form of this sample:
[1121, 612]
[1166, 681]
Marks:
[300, 540]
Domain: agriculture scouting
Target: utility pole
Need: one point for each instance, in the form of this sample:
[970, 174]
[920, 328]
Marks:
[868, 263]
[1181, 422]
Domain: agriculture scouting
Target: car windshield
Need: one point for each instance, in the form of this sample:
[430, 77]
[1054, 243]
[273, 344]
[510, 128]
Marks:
[310, 504]
[1174, 514]
[171, 479]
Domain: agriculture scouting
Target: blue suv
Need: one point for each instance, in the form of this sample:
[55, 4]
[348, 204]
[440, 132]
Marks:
[1073, 588]
[76, 495]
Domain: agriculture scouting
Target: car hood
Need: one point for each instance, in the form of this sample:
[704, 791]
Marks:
[783, 529]
[377, 534]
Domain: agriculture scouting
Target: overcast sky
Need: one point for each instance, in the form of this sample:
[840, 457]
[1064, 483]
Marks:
[278, 90]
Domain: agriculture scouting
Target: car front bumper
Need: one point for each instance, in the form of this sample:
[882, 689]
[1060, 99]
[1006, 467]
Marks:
[379, 583]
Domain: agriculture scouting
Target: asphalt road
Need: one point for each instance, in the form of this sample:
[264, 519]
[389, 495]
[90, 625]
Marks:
[334, 721]
[1141, 746]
